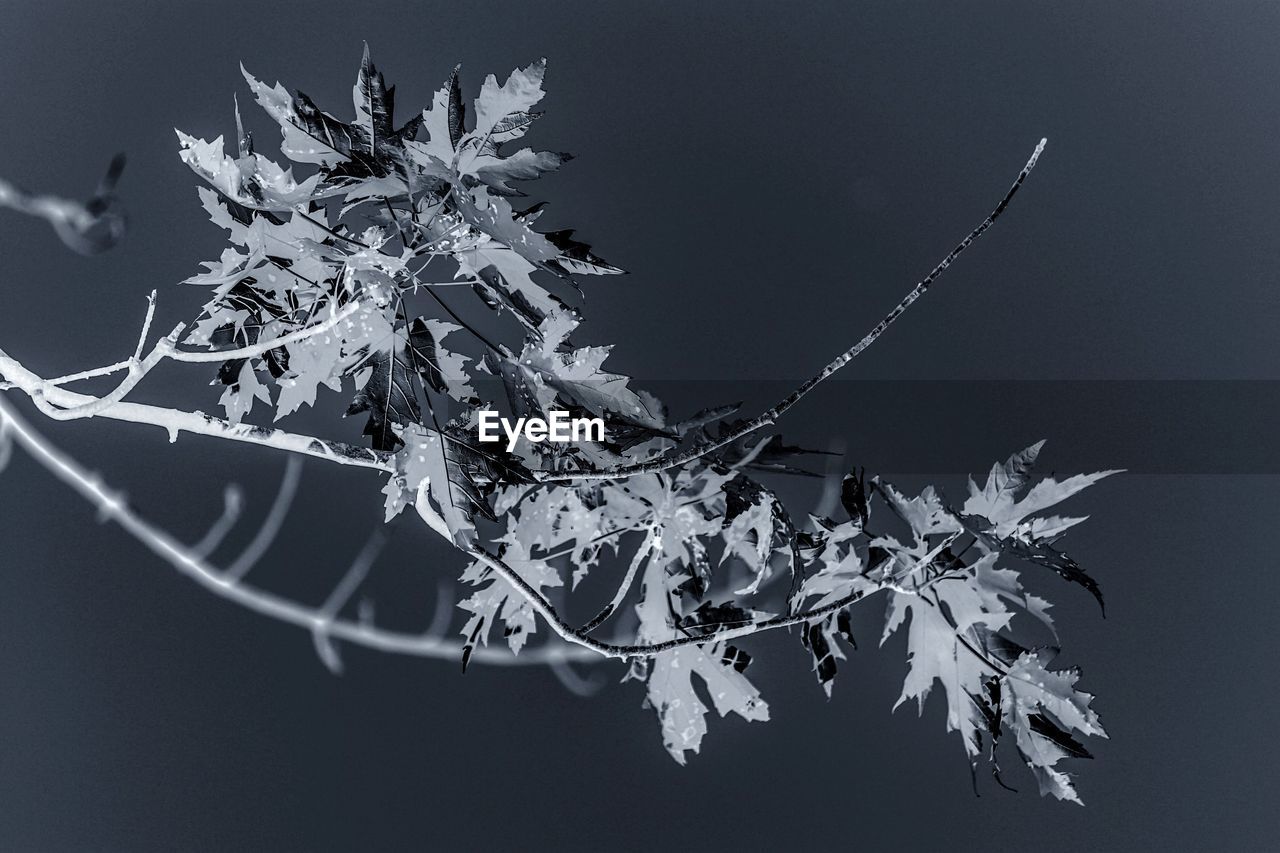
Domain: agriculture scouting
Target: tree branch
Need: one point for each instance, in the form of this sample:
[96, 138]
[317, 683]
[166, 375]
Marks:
[767, 418]
[112, 506]
[175, 421]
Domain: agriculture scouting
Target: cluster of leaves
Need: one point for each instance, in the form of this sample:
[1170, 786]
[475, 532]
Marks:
[705, 546]
[711, 541]
[946, 584]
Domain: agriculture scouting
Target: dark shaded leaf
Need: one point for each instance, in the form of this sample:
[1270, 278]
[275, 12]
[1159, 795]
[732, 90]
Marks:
[389, 397]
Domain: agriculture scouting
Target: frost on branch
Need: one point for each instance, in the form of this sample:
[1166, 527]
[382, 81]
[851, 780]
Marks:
[351, 275]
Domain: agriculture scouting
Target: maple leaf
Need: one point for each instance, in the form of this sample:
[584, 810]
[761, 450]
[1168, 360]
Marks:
[444, 122]
[549, 370]
[252, 181]
[523, 165]
[669, 676]
[998, 517]
[1042, 707]
[498, 601]
[238, 397]
[839, 574]
[758, 527]
[451, 474]
[367, 148]
[502, 113]
[575, 522]
[388, 395]
[439, 369]
[998, 500]
[937, 652]
[576, 258]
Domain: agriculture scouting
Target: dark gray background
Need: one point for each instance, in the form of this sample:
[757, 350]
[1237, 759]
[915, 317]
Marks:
[775, 177]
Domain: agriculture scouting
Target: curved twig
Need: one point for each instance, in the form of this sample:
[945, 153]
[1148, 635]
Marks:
[270, 527]
[232, 503]
[767, 418]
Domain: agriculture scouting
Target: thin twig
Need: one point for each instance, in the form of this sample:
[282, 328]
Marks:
[232, 503]
[270, 528]
[651, 541]
[341, 594]
[767, 418]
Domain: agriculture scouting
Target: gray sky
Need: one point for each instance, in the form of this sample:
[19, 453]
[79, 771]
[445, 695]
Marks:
[775, 177]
